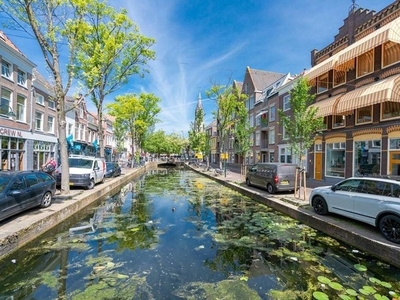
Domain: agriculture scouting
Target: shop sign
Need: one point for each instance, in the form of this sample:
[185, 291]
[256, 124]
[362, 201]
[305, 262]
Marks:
[10, 132]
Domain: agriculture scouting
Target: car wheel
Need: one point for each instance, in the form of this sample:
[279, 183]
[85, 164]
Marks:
[248, 182]
[91, 184]
[320, 206]
[390, 228]
[270, 188]
[46, 200]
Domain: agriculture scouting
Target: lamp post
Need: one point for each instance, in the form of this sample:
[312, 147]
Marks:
[6, 110]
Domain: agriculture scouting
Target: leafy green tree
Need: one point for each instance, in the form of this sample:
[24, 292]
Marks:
[120, 131]
[242, 132]
[137, 114]
[156, 143]
[57, 25]
[302, 124]
[197, 134]
[228, 101]
[111, 50]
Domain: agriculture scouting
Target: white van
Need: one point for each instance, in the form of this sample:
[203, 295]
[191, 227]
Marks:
[84, 171]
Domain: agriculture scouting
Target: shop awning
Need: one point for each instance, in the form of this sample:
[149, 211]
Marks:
[263, 112]
[389, 32]
[321, 68]
[326, 106]
[387, 89]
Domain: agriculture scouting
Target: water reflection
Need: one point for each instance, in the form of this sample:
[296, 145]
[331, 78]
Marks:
[173, 235]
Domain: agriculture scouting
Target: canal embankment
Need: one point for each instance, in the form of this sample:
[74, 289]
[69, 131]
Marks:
[359, 235]
[19, 230]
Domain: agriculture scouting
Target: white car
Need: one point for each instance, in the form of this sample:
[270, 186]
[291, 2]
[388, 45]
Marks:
[371, 200]
[84, 171]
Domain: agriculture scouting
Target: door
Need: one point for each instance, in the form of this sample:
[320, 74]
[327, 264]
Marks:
[394, 163]
[341, 201]
[318, 166]
[13, 199]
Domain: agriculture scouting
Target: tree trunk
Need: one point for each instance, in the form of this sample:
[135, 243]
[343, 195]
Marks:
[63, 145]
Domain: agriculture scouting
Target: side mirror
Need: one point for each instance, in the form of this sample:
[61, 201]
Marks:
[333, 187]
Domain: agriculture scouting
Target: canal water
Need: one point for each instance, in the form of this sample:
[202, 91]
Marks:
[174, 235]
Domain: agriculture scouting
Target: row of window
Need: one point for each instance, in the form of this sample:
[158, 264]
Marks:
[7, 72]
[20, 113]
[364, 66]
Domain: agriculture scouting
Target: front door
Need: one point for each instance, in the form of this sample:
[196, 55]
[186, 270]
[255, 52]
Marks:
[318, 166]
[394, 163]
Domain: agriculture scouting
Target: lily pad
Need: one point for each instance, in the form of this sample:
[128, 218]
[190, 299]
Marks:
[361, 268]
[320, 296]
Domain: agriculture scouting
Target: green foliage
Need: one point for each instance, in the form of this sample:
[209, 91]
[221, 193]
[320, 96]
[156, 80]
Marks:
[109, 51]
[302, 125]
[231, 116]
[161, 143]
[135, 113]
[198, 140]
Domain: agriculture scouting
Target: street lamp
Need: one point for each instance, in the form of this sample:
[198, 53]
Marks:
[6, 110]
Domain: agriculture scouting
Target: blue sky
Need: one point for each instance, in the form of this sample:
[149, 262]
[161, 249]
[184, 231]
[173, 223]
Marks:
[200, 43]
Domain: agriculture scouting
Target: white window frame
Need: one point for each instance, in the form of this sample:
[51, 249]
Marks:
[21, 78]
[6, 69]
[21, 108]
[258, 135]
[39, 120]
[286, 102]
[271, 136]
[50, 124]
[51, 104]
[272, 113]
[39, 99]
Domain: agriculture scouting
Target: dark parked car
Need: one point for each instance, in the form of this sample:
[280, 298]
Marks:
[21, 190]
[112, 169]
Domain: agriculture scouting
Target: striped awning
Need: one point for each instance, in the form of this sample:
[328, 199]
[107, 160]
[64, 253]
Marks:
[321, 68]
[326, 106]
[389, 32]
[387, 89]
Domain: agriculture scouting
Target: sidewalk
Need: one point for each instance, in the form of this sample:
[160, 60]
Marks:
[233, 176]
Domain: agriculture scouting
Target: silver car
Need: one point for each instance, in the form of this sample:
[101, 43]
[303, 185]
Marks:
[371, 200]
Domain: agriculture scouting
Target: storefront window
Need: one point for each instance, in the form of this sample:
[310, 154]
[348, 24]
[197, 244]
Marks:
[335, 159]
[367, 158]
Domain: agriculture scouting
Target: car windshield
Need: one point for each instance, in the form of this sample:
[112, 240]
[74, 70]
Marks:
[4, 180]
[80, 163]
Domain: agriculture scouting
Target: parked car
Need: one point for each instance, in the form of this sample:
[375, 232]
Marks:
[374, 201]
[84, 171]
[21, 190]
[275, 177]
[112, 169]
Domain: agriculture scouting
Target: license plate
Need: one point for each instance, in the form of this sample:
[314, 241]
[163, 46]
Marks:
[284, 182]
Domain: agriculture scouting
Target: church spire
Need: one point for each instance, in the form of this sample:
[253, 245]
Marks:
[199, 104]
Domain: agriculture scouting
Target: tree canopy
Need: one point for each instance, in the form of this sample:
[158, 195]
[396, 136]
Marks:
[302, 123]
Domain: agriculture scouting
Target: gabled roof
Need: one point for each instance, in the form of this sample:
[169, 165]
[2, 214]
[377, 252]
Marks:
[238, 85]
[8, 42]
[262, 79]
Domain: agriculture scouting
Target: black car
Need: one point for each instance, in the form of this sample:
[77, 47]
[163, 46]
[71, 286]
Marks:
[21, 190]
[112, 169]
